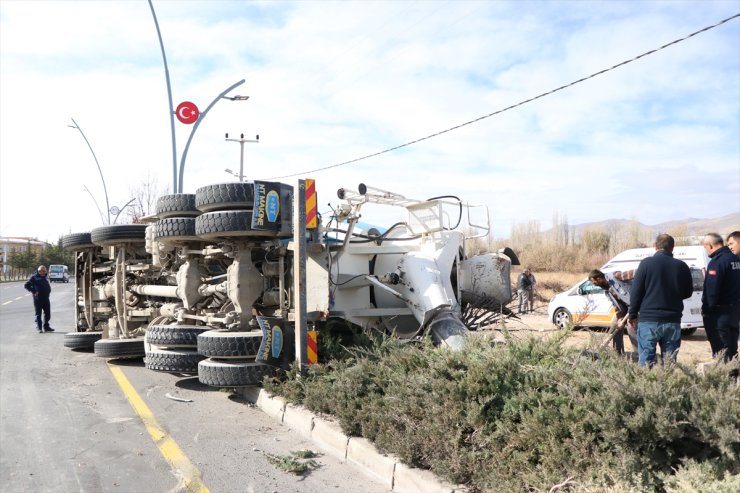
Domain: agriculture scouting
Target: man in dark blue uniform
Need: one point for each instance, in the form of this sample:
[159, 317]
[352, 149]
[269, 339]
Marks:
[720, 301]
[40, 288]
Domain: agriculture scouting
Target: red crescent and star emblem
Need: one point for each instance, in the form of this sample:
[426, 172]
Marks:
[187, 112]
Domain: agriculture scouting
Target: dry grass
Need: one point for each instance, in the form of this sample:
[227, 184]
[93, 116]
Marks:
[549, 283]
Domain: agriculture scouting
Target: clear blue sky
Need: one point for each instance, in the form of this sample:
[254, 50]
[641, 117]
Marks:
[655, 140]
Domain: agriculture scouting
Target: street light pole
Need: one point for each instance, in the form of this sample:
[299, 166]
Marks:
[172, 110]
[200, 119]
[121, 210]
[84, 187]
[105, 189]
[241, 141]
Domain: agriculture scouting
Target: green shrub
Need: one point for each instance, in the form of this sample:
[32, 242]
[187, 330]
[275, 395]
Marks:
[532, 414]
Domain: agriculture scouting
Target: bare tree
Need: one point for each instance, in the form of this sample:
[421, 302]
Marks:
[524, 235]
[680, 232]
[560, 229]
[145, 197]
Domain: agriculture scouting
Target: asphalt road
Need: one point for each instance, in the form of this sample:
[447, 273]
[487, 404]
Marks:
[67, 423]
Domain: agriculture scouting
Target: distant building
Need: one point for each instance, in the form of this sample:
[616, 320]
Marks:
[10, 246]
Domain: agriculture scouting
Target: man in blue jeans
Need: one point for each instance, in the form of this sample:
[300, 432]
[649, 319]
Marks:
[658, 290]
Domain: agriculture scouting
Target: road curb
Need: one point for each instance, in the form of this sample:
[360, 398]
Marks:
[359, 452]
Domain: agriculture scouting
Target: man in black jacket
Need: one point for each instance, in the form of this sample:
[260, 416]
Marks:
[658, 290]
[40, 288]
[720, 301]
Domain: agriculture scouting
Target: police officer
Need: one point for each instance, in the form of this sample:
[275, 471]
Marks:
[720, 302]
[733, 242]
[40, 288]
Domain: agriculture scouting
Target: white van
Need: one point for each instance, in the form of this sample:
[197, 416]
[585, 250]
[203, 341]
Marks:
[585, 304]
[694, 256]
[58, 273]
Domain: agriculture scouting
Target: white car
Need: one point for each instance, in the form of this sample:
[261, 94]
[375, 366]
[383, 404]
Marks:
[586, 305]
[583, 305]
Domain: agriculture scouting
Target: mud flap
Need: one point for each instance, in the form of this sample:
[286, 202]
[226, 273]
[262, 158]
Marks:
[278, 342]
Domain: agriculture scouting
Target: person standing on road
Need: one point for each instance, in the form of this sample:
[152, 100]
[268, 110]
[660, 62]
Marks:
[523, 285]
[661, 284]
[720, 301]
[733, 242]
[617, 287]
[40, 288]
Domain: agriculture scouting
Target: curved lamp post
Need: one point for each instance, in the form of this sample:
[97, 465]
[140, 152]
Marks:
[84, 187]
[105, 189]
[177, 184]
[121, 210]
[200, 119]
[169, 94]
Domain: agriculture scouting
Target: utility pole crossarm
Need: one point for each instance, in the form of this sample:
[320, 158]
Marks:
[241, 141]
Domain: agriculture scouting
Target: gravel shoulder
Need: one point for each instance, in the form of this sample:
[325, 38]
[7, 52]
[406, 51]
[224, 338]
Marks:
[694, 348]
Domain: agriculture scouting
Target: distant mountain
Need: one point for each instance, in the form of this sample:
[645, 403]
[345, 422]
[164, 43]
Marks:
[693, 227]
[723, 225]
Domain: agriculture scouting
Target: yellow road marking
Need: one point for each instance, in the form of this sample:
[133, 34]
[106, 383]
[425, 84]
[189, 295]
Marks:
[167, 447]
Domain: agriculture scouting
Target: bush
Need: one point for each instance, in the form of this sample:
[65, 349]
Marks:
[529, 415]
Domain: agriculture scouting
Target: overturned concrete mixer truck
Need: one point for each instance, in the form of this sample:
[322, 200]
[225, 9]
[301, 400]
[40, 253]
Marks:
[226, 282]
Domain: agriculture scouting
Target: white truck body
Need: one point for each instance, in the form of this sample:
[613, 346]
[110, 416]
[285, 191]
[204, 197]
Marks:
[226, 259]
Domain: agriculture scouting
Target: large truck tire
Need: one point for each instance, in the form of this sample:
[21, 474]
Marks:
[176, 205]
[223, 344]
[175, 229]
[227, 224]
[77, 241]
[120, 348]
[175, 335]
[81, 340]
[225, 196]
[183, 361]
[119, 233]
[234, 373]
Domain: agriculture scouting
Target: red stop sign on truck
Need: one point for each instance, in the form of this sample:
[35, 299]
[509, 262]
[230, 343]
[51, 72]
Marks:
[187, 112]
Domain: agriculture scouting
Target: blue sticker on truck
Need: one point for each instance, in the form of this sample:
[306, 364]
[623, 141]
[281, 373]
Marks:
[266, 214]
[278, 342]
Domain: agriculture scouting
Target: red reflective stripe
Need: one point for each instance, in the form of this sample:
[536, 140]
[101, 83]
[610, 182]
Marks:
[311, 216]
[312, 348]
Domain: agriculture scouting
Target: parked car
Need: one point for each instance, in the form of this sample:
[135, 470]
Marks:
[583, 305]
[586, 305]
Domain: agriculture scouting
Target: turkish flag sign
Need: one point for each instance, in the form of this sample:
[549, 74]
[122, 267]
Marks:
[187, 112]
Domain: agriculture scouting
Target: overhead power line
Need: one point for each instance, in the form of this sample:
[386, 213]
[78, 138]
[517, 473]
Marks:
[521, 103]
